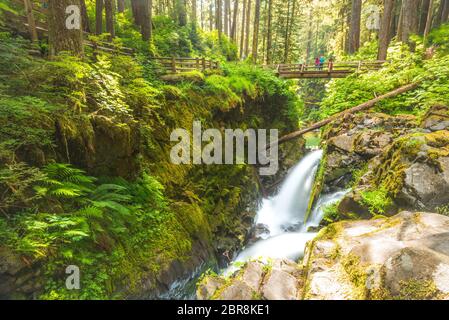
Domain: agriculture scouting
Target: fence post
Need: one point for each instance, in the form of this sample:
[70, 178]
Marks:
[203, 61]
[197, 62]
[173, 64]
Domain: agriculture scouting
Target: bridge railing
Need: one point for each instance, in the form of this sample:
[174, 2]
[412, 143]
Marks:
[176, 65]
[350, 66]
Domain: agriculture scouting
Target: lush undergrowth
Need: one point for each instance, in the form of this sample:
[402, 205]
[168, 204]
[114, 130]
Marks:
[120, 210]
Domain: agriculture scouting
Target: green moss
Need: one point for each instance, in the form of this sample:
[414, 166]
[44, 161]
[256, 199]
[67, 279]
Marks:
[330, 232]
[357, 274]
[415, 289]
[378, 201]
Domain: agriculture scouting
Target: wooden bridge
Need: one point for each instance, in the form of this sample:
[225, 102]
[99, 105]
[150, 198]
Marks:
[328, 70]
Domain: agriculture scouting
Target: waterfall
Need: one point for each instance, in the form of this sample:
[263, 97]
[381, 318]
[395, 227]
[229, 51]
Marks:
[289, 207]
[283, 216]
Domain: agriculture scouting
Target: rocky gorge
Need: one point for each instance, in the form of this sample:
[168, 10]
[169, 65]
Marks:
[386, 238]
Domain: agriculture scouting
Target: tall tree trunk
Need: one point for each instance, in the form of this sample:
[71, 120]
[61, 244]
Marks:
[445, 13]
[348, 24]
[289, 32]
[354, 30]
[423, 15]
[135, 5]
[242, 36]
[147, 18]
[181, 12]
[247, 31]
[439, 14]
[202, 14]
[429, 21]
[211, 16]
[31, 21]
[394, 21]
[121, 6]
[409, 17]
[64, 33]
[256, 31]
[109, 6]
[309, 36]
[220, 19]
[384, 33]
[234, 21]
[194, 13]
[99, 5]
[84, 16]
[269, 32]
[227, 7]
[286, 32]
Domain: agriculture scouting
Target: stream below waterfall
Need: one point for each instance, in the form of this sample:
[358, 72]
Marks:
[282, 218]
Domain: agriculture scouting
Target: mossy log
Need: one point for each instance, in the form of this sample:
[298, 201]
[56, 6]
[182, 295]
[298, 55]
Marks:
[367, 105]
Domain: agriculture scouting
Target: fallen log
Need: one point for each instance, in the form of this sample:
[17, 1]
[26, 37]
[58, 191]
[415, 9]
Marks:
[364, 106]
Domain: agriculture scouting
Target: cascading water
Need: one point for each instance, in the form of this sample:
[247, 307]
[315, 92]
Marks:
[283, 216]
[288, 208]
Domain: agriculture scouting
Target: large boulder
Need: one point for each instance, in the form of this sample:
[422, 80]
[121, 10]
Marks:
[412, 174]
[275, 280]
[403, 257]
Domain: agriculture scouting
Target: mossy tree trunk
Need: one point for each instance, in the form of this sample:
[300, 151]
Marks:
[384, 34]
[109, 6]
[99, 5]
[354, 28]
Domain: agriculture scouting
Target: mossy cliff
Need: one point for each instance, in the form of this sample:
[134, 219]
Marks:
[131, 220]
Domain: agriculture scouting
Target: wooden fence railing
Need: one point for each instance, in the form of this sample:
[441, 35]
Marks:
[36, 18]
[176, 65]
[332, 70]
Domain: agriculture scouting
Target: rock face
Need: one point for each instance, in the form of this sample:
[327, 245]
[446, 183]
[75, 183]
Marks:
[356, 139]
[279, 280]
[17, 279]
[392, 163]
[413, 173]
[403, 257]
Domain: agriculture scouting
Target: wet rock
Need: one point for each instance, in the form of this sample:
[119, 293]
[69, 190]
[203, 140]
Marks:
[237, 291]
[343, 142]
[208, 287]
[253, 275]
[280, 285]
[437, 118]
[370, 143]
[280, 279]
[402, 257]
[425, 186]
[258, 232]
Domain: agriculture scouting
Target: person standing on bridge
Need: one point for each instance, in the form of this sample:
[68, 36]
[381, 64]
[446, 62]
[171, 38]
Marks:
[322, 60]
[317, 63]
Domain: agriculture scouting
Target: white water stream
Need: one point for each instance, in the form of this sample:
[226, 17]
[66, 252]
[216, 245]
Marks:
[283, 215]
